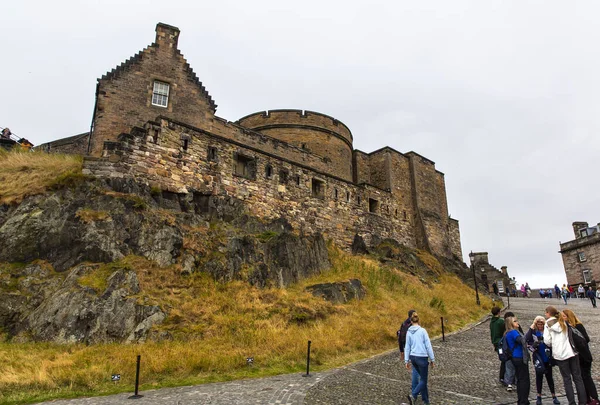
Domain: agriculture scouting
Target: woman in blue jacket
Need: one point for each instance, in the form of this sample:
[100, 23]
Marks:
[418, 353]
[520, 358]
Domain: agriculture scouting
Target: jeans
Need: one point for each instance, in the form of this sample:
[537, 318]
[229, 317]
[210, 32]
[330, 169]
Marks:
[593, 299]
[522, 373]
[419, 377]
[539, 379]
[588, 382]
[570, 368]
[509, 374]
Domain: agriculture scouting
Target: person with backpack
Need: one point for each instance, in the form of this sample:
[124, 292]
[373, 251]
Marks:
[496, 333]
[418, 353]
[401, 334]
[556, 336]
[541, 361]
[585, 356]
[509, 368]
[514, 343]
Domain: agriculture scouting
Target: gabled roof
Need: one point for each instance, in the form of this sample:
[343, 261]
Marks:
[138, 57]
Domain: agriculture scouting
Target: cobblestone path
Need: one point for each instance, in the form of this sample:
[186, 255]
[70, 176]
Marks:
[466, 372]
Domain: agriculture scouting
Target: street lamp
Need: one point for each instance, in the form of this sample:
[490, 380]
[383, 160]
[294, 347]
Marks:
[472, 258]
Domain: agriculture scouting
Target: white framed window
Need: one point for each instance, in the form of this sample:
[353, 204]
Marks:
[581, 257]
[160, 94]
[587, 276]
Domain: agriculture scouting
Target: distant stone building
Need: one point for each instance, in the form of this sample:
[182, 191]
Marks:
[155, 122]
[581, 256]
[488, 273]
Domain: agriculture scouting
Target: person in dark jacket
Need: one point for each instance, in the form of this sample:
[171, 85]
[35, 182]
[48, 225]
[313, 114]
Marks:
[520, 358]
[535, 340]
[585, 358]
[592, 296]
[402, 333]
[496, 333]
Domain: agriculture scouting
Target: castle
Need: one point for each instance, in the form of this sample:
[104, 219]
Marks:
[155, 122]
[581, 256]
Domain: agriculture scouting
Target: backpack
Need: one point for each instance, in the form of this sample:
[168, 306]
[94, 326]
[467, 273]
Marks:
[504, 352]
[538, 363]
[578, 343]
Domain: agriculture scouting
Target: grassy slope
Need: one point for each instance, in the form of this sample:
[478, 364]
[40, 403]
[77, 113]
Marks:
[24, 174]
[216, 326]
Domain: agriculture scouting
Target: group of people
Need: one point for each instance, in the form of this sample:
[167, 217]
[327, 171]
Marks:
[568, 291]
[550, 341]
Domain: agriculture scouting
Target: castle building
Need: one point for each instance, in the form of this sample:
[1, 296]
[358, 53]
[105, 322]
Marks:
[155, 122]
[581, 256]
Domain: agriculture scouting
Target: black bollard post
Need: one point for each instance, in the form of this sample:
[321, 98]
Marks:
[137, 380]
[443, 335]
[307, 362]
[508, 305]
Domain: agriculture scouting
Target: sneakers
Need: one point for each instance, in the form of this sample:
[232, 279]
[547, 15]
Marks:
[411, 400]
[555, 401]
[509, 387]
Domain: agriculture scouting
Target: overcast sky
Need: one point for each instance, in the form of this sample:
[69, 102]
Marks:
[502, 95]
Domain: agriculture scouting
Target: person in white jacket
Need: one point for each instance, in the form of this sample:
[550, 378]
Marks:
[556, 336]
[418, 353]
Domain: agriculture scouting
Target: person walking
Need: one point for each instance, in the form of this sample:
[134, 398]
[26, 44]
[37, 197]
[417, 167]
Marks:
[556, 336]
[557, 291]
[565, 293]
[580, 291]
[402, 333]
[418, 353]
[496, 333]
[519, 358]
[535, 340]
[585, 359]
[592, 296]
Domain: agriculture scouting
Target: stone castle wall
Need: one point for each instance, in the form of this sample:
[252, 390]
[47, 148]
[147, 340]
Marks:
[582, 255]
[340, 209]
[298, 164]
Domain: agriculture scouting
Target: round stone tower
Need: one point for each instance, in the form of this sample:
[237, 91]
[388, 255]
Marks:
[314, 132]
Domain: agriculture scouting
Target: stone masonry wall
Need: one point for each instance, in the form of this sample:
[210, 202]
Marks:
[124, 97]
[321, 134]
[574, 267]
[297, 164]
[454, 237]
[340, 209]
[431, 207]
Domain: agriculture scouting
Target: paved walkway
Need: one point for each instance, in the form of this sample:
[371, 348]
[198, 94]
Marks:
[466, 372]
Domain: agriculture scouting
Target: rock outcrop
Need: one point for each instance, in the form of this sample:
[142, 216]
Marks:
[73, 231]
[339, 293]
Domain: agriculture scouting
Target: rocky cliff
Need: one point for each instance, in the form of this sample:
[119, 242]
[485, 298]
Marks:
[56, 278]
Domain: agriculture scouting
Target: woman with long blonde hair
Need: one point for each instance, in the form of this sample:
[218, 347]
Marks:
[520, 357]
[556, 336]
[585, 358]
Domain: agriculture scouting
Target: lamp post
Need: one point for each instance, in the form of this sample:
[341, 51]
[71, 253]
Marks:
[472, 258]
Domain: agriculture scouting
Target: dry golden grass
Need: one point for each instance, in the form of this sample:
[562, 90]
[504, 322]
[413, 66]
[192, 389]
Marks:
[24, 174]
[216, 326]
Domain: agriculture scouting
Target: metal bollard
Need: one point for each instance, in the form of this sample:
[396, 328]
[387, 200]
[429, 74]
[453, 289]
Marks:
[307, 362]
[443, 335]
[137, 380]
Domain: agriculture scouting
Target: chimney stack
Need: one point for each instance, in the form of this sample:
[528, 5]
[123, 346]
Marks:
[166, 36]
